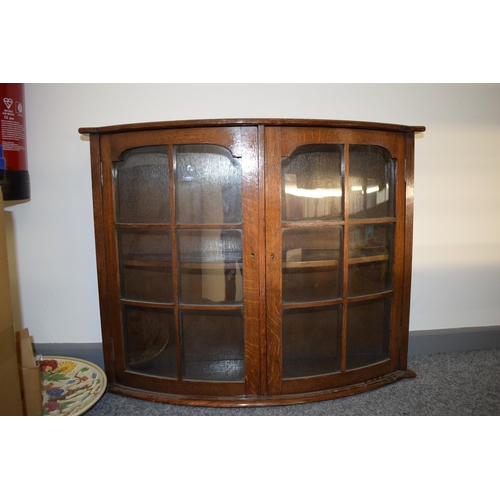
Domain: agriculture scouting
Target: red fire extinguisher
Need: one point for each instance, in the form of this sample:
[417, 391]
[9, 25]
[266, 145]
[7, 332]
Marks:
[14, 176]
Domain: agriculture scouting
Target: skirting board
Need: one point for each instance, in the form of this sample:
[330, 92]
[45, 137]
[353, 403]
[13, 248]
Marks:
[420, 342]
[453, 340]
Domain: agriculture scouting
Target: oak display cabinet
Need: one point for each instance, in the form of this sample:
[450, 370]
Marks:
[253, 262]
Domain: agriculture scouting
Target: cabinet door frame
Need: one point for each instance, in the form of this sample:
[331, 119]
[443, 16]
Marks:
[242, 142]
[281, 142]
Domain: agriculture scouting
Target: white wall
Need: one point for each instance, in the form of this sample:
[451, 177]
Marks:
[456, 264]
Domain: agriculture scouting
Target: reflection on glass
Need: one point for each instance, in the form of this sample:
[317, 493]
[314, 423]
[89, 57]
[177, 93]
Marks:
[370, 258]
[311, 183]
[212, 345]
[149, 336]
[311, 264]
[311, 341]
[368, 326]
[208, 185]
[211, 266]
[142, 186]
[146, 265]
[371, 182]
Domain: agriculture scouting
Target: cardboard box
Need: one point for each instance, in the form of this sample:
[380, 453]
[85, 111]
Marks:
[10, 386]
[31, 388]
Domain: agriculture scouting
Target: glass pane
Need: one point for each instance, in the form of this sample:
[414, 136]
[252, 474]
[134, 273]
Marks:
[212, 345]
[211, 266]
[149, 336]
[312, 183]
[146, 265]
[142, 186]
[208, 185]
[370, 258]
[371, 182]
[311, 341]
[311, 264]
[368, 326]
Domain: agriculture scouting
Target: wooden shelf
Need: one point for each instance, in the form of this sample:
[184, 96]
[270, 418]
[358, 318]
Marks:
[230, 265]
[334, 262]
[183, 265]
[146, 263]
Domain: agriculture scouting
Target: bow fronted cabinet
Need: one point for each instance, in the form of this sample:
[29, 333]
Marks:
[253, 262]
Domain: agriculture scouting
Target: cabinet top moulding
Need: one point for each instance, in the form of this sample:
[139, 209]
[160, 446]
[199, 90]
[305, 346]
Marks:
[228, 122]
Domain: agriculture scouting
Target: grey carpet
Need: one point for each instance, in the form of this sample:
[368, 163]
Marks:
[461, 383]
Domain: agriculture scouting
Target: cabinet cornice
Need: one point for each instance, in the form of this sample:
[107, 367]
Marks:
[270, 122]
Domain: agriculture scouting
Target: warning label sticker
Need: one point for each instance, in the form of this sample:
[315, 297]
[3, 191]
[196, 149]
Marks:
[13, 131]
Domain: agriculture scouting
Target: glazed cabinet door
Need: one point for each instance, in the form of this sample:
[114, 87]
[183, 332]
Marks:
[181, 244]
[335, 212]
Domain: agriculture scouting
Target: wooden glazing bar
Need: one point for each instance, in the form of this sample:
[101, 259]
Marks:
[310, 305]
[208, 265]
[372, 296]
[314, 223]
[345, 263]
[142, 303]
[211, 307]
[141, 225]
[175, 267]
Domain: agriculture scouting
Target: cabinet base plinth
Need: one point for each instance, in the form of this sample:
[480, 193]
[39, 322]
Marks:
[253, 401]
